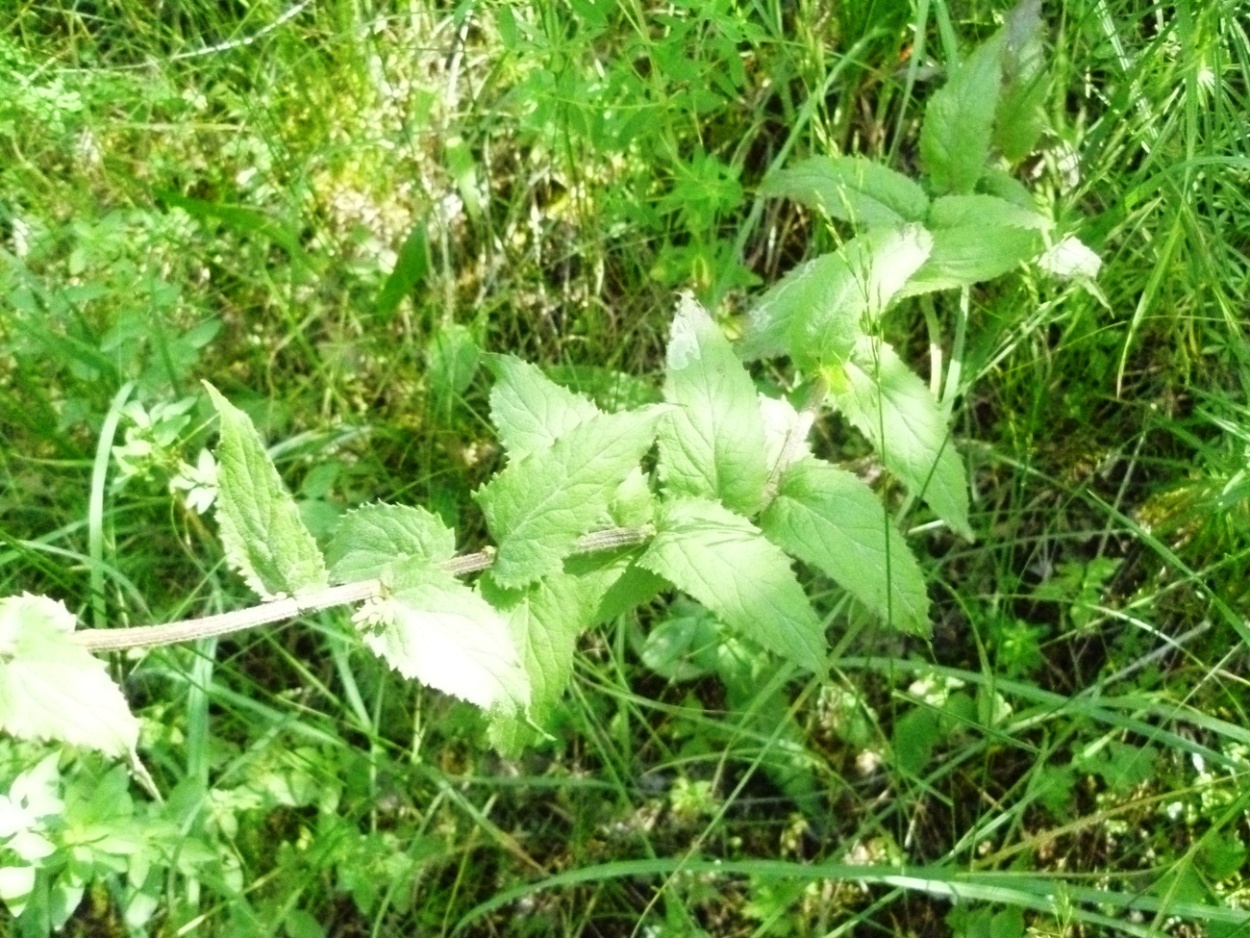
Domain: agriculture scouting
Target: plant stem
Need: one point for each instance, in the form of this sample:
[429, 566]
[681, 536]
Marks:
[278, 610]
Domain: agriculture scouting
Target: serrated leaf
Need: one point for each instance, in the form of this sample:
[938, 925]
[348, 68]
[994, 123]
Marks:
[711, 443]
[726, 563]
[828, 518]
[972, 254]
[889, 404]
[985, 211]
[433, 628]
[851, 188]
[529, 410]
[1020, 118]
[51, 688]
[545, 621]
[369, 540]
[816, 312]
[537, 507]
[261, 530]
[959, 121]
[610, 390]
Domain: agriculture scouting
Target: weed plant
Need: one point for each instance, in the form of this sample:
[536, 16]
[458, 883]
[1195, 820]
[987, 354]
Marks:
[331, 210]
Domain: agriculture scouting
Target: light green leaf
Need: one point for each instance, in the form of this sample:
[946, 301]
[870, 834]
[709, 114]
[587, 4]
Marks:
[827, 517]
[626, 586]
[51, 688]
[529, 410]
[610, 390]
[816, 312]
[1021, 117]
[972, 254]
[959, 121]
[451, 362]
[261, 530]
[369, 540]
[433, 628]
[984, 211]
[851, 188]
[537, 507]
[889, 404]
[712, 442]
[724, 562]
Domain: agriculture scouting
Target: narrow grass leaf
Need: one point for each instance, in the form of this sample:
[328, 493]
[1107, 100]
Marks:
[370, 540]
[434, 629]
[959, 121]
[895, 409]
[851, 188]
[261, 530]
[726, 563]
[968, 254]
[711, 443]
[53, 689]
[828, 518]
[528, 409]
[537, 507]
[411, 267]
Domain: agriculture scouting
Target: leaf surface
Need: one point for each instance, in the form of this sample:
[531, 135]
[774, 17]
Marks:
[969, 254]
[537, 507]
[261, 530]
[529, 410]
[51, 688]
[893, 407]
[959, 121]
[852, 188]
[828, 518]
[726, 563]
[369, 540]
[712, 442]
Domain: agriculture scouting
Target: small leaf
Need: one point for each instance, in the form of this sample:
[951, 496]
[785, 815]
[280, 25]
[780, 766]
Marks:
[959, 121]
[723, 561]
[261, 530]
[369, 540]
[972, 254]
[851, 188]
[890, 405]
[51, 688]
[684, 647]
[712, 443]
[984, 211]
[451, 362]
[537, 507]
[433, 628]
[829, 518]
[529, 410]
[916, 734]
[610, 390]
[411, 267]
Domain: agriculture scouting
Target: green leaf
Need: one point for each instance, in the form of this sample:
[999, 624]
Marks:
[684, 647]
[610, 390]
[726, 563]
[261, 530]
[972, 254]
[851, 188]
[451, 362]
[529, 410]
[890, 405]
[916, 734]
[51, 688]
[433, 628]
[959, 121]
[827, 517]
[626, 586]
[712, 442]
[826, 300]
[984, 211]
[411, 267]
[537, 507]
[1021, 118]
[370, 540]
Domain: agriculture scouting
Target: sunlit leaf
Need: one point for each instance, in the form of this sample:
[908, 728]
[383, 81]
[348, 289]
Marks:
[959, 121]
[369, 540]
[529, 410]
[852, 188]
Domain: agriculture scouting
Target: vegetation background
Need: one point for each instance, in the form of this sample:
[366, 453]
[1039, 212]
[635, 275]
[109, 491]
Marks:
[330, 207]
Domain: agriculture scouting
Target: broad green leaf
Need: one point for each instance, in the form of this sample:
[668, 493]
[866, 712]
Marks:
[433, 628]
[816, 313]
[411, 267]
[889, 404]
[959, 121]
[261, 530]
[369, 540]
[1021, 117]
[537, 507]
[726, 563]
[451, 362]
[529, 410]
[51, 688]
[972, 254]
[828, 518]
[685, 646]
[984, 211]
[851, 188]
[545, 621]
[712, 442]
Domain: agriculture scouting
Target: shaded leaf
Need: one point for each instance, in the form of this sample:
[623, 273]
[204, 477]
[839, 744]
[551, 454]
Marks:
[852, 188]
[972, 254]
[411, 267]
